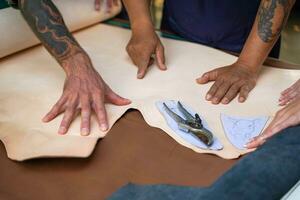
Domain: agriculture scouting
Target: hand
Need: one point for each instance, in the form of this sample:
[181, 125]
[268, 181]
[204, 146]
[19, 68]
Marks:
[109, 4]
[84, 91]
[286, 117]
[229, 81]
[290, 94]
[143, 43]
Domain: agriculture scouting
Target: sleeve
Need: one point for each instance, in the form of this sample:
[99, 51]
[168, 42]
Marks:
[13, 3]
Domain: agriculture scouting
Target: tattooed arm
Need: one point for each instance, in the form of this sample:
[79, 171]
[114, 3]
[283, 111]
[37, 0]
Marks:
[241, 76]
[84, 88]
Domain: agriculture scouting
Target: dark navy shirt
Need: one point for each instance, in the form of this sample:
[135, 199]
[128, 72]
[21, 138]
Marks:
[223, 24]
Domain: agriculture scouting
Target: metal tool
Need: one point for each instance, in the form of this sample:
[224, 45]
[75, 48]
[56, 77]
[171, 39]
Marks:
[191, 124]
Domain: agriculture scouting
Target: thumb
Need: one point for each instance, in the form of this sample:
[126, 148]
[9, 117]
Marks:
[113, 98]
[208, 76]
[160, 57]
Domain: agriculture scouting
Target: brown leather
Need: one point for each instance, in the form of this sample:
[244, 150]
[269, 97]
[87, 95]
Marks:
[131, 152]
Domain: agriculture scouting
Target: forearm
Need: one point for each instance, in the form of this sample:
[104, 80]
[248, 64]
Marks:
[139, 13]
[270, 20]
[47, 23]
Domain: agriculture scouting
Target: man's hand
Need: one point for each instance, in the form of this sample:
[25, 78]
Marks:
[241, 76]
[84, 88]
[286, 117]
[142, 45]
[84, 91]
[229, 81]
[109, 4]
[290, 94]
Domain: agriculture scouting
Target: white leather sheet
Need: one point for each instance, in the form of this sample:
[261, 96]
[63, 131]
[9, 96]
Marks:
[31, 82]
[15, 34]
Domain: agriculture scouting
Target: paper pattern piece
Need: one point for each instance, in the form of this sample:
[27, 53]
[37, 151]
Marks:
[31, 82]
[188, 137]
[240, 130]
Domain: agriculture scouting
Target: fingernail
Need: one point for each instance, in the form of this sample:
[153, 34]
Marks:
[241, 99]
[44, 119]
[215, 100]
[225, 101]
[103, 127]
[85, 131]
[128, 100]
[208, 97]
[140, 75]
[262, 137]
[245, 145]
[62, 130]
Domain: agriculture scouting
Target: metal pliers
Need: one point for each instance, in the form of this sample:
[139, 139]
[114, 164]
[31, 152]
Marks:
[191, 124]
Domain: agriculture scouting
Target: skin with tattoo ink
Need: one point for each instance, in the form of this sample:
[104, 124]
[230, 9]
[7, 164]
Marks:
[240, 77]
[84, 89]
[237, 79]
[268, 30]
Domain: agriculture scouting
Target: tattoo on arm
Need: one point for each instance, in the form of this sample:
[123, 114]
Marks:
[272, 16]
[47, 23]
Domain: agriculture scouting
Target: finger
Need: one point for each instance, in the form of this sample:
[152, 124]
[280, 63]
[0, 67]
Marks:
[287, 101]
[213, 89]
[286, 91]
[220, 93]
[244, 92]
[109, 5]
[279, 123]
[66, 121]
[116, 2]
[290, 95]
[97, 5]
[85, 116]
[281, 126]
[57, 109]
[112, 97]
[231, 94]
[99, 108]
[256, 142]
[289, 89]
[208, 76]
[160, 57]
[280, 117]
[143, 66]
[284, 102]
[141, 58]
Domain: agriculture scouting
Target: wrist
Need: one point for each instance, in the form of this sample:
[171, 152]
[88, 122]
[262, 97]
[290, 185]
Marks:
[77, 64]
[246, 64]
[141, 25]
[252, 68]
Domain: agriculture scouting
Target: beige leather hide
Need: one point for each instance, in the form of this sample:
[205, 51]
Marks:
[31, 82]
[15, 34]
